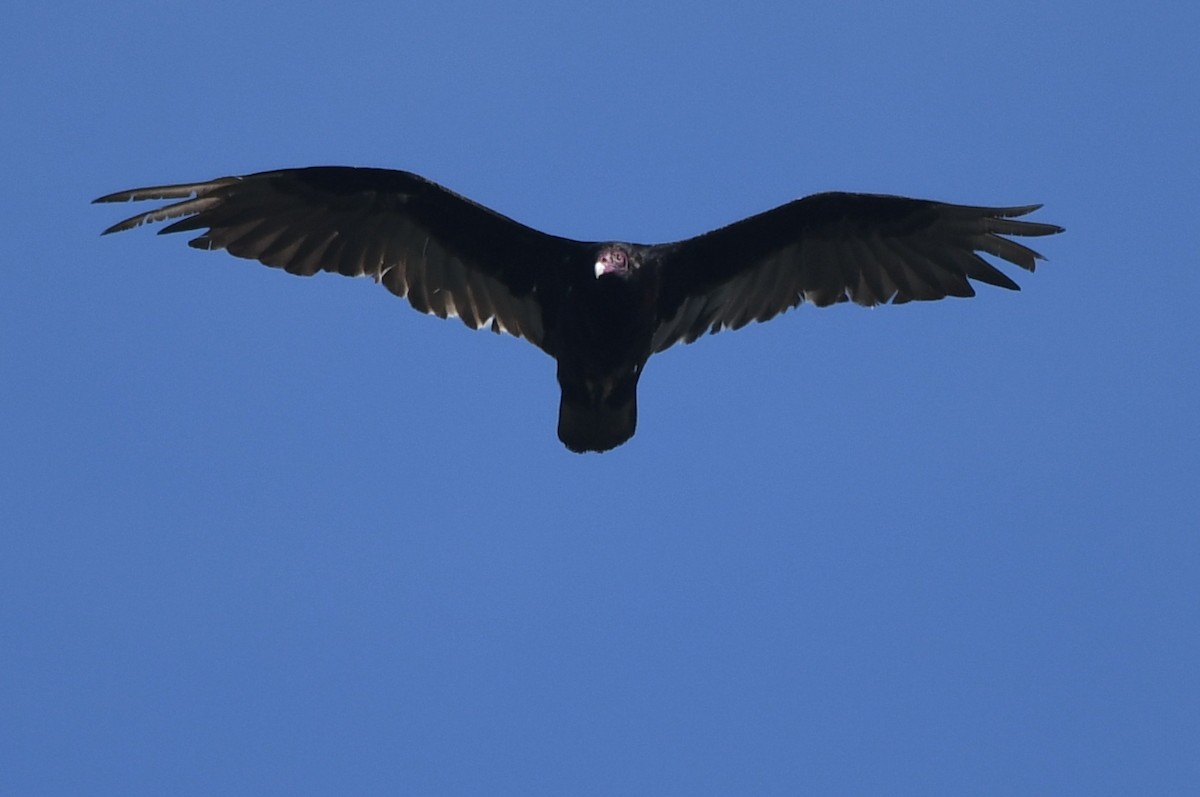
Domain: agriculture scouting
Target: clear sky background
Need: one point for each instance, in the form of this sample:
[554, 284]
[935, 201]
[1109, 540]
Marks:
[271, 535]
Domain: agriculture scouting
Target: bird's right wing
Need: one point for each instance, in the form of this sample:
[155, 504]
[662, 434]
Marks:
[448, 255]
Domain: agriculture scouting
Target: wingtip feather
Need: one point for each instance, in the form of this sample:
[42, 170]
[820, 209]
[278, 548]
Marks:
[174, 191]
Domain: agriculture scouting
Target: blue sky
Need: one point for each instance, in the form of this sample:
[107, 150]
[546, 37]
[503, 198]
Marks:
[266, 534]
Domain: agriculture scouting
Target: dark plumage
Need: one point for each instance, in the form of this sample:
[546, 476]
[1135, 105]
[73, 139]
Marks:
[600, 309]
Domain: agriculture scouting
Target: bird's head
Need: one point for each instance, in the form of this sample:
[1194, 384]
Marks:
[615, 260]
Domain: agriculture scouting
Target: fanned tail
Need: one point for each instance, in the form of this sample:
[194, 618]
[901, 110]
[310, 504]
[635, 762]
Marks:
[600, 418]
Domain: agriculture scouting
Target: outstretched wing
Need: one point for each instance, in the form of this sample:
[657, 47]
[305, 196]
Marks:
[835, 247]
[448, 255]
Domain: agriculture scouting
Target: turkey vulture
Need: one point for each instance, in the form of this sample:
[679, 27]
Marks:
[600, 309]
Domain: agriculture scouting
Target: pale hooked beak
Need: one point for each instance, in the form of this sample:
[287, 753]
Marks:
[601, 267]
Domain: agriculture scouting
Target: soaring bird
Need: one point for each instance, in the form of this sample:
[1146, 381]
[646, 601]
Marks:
[600, 309]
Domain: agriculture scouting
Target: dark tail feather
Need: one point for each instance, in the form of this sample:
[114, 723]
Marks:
[586, 426]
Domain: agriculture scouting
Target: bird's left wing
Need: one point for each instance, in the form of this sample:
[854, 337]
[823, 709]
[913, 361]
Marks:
[834, 247]
[447, 255]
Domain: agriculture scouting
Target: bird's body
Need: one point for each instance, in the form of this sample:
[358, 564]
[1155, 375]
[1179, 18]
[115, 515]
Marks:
[601, 340]
[600, 309]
